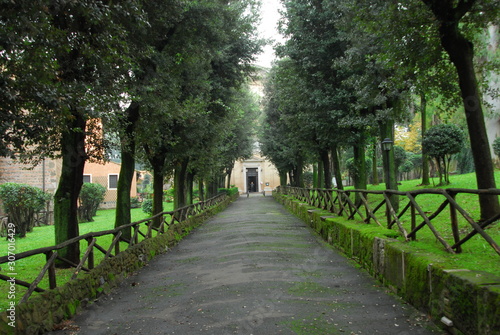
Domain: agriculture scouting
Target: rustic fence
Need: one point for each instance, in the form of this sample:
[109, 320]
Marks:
[140, 230]
[410, 218]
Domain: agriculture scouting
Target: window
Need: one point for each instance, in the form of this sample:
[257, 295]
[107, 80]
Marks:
[87, 178]
[112, 182]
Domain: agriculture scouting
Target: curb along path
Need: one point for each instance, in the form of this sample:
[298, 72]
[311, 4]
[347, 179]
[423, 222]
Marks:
[252, 269]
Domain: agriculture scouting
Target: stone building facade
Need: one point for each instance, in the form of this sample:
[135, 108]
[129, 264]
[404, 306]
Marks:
[255, 174]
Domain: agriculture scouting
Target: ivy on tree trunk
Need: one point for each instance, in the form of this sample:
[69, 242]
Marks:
[68, 190]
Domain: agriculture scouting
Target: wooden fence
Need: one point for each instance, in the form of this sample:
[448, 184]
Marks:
[354, 203]
[145, 228]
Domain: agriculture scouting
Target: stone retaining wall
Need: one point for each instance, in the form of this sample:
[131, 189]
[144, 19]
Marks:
[44, 310]
[470, 300]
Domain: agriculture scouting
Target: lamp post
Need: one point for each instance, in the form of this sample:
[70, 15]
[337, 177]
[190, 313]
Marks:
[386, 148]
[387, 145]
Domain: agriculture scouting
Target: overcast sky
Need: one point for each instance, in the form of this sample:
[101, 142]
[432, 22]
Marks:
[269, 29]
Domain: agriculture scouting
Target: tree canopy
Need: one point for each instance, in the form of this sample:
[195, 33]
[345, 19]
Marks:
[359, 66]
[159, 76]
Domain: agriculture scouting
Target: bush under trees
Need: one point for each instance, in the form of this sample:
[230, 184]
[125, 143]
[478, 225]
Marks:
[496, 146]
[91, 195]
[441, 142]
[21, 203]
[147, 206]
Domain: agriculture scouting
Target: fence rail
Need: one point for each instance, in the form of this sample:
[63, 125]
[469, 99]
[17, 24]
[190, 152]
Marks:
[145, 228]
[352, 203]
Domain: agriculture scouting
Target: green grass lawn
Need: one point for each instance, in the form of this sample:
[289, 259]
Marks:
[27, 269]
[477, 254]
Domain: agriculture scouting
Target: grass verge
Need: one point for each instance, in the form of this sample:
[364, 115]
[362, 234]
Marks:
[27, 269]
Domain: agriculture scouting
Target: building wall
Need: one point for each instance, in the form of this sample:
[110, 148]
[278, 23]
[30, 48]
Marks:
[100, 173]
[267, 175]
[44, 176]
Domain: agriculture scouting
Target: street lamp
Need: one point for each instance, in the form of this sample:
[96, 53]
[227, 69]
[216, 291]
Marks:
[386, 148]
[387, 144]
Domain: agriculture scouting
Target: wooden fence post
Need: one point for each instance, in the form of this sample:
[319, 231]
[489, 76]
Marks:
[454, 222]
[51, 270]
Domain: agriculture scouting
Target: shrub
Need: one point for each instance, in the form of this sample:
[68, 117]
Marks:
[21, 202]
[134, 202]
[496, 146]
[400, 155]
[91, 195]
[441, 142]
[147, 206]
[169, 195]
[228, 191]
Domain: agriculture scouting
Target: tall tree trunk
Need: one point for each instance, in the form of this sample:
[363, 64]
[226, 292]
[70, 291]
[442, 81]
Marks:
[423, 127]
[189, 188]
[375, 180]
[157, 192]
[127, 170]
[336, 169]
[201, 189]
[212, 188]
[180, 184]
[327, 172]
[229, 173]
[321, 174]
[68, 190]
[283, 178]
[360, 163]
[461, 54]
[298, 175]
[315, 175]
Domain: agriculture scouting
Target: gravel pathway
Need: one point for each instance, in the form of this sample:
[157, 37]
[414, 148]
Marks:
[252, 269]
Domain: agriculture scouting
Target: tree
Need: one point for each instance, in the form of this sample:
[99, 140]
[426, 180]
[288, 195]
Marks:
[441, 142]
[280, 141]
[67, 69]
[314, 42]
[148, 41]
[206, 56]
[451, 17]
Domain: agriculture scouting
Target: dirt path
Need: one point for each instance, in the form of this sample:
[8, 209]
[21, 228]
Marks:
[252, 269]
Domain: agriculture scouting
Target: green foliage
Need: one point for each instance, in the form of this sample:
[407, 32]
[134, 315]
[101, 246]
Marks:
[465, 160]
[168, 195]
[229, 191]
[441, 142]
[399, 155]
[147, 206]
[134, 202]
[496, 146]
[308, 179]
[21, 202]
[351, 167]
[91, 195]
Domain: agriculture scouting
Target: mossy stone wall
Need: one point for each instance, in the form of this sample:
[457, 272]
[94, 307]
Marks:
[44, 310]
[470, 299]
